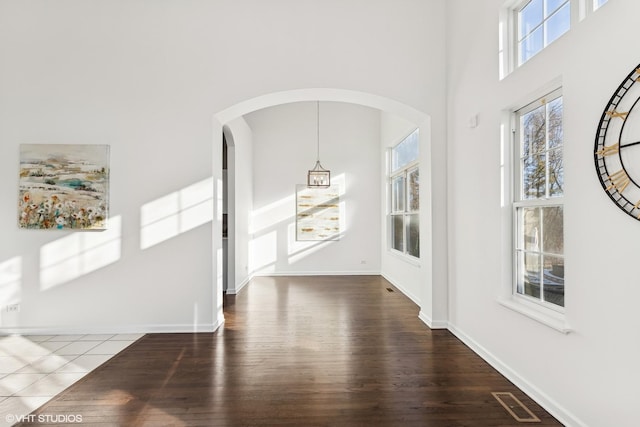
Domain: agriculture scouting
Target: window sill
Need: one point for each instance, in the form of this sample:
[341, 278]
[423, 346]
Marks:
[542, 315]
[406, 258]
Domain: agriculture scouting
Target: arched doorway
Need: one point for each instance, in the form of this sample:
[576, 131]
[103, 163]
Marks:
[422, 121]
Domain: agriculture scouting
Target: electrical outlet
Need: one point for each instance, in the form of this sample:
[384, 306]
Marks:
[13, 308]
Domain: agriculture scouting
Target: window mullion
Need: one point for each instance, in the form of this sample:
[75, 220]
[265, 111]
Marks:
[405, 230]
[542, 254]
[546, 150]
[407, 208]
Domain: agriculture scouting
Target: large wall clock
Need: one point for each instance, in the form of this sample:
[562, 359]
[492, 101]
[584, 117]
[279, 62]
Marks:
[617, 148]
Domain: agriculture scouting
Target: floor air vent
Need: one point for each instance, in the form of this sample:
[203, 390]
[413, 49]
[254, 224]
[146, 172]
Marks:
[518, 411]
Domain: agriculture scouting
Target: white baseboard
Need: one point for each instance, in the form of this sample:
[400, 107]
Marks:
[541, 398]
[126, 329]
[432, 324]
[316, 273]
[402, 289]
[236, 290]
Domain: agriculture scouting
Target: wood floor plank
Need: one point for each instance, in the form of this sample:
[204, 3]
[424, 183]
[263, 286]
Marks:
[299, 351]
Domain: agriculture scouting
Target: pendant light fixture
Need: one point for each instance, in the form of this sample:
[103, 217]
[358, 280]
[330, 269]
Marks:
[318, 176]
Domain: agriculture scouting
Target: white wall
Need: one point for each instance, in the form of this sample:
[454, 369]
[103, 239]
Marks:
[242, 199]
[589, 376]
[285, 146]
[147, 78]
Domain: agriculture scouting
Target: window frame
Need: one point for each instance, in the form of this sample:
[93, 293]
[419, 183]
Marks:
[519, 202]
[406, 212]
[508, 44]
[596, 6]
[519, 7]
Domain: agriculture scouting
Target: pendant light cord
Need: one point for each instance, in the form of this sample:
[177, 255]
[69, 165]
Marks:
[318, 130]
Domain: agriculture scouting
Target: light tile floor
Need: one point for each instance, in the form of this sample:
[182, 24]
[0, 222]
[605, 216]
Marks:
[35, 368]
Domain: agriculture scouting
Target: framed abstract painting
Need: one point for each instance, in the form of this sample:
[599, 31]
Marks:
[63, 186]
[317, 213]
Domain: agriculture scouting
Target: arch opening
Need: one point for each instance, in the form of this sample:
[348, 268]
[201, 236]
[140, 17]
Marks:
[420, 119]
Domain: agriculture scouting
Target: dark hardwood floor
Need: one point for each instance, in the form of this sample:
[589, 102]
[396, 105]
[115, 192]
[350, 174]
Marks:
[299, 351]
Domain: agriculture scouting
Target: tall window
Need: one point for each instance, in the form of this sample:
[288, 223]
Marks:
[538, 204]
[539, 23]
[404, 181]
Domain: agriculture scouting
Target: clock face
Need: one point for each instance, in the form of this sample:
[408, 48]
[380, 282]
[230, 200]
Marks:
[617, 147]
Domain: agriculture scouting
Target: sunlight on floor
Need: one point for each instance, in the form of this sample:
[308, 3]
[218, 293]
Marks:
[35, 368]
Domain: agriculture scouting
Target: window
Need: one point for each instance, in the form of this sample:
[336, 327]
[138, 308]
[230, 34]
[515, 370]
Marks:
[404, 181]
[538, 202]
[598, 3]
[539, 23]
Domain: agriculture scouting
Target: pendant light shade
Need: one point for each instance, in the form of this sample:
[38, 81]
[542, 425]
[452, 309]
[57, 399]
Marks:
[318, 176]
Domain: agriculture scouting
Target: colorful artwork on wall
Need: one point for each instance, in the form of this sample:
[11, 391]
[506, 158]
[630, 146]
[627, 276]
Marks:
[317, 213]
[64, 186]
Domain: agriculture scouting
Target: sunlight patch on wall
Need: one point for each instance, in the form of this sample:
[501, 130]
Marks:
[219, 273]
[10, 281]
[501, 50]
[220, 199]
[273, 213]
[266, 220]
[298, 250]
[176, 213]
[263, 251]
[503, 169]
[10, 284]
[195, 316]
[79, 253]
